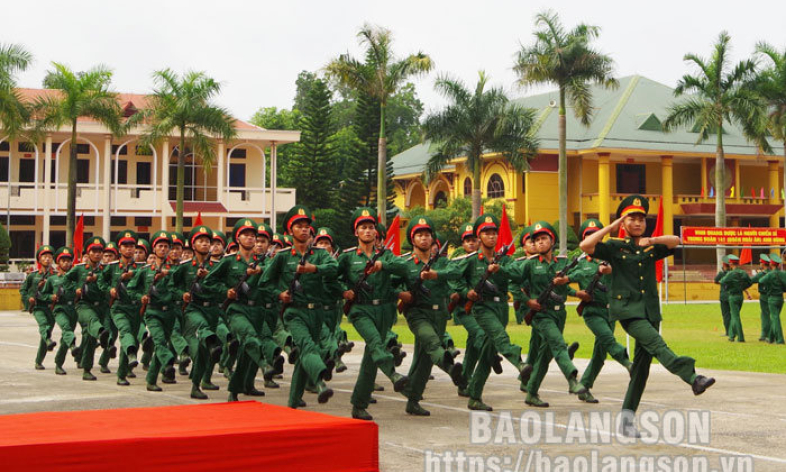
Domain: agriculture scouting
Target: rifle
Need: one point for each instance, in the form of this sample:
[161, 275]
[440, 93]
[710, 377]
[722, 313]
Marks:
[59, 293]
[595, 284]
[120, 287]
[195, 286]
[361, 284]
[417, 287]
[152, 290]
[484, 285]
[241, 286]
[39, 286]
[549, 293]
[295, 285]
[91, 274]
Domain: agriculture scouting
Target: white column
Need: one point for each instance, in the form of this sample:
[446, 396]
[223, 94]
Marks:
[220, 177]
[105, 196]
[47, 173]
[164, 201]
[273, 185]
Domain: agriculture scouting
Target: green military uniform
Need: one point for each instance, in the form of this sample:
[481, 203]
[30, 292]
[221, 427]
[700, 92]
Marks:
[64, 312]
[178, 341]
[143, 337]
[228, 355]
[776, 285]
[427, 318]
[634, 302]
[724, 299]
[735, 282]
[372, 314]
[31, 288]
[91, 307]
[110, 351]
[596, 316]
[521, 308]
[332, 344]
[159, 313]
[124, 309]
[763, 297]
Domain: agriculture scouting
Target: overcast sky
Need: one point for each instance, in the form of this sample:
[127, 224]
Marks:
[257, 48]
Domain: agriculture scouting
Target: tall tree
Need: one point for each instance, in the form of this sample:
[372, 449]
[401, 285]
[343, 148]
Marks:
[14, 114]
[359, 150]
[379, 76]
[184, 106]
[565, 59]
[81, 94]
[476, 122]
[719, 95]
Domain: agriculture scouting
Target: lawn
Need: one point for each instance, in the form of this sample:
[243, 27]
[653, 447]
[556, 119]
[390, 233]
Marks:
[690, 330]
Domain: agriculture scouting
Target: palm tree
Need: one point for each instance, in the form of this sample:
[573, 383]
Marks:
[771, 85]
[379, 77]
[14, 113]
[567, 60]
[81, 94]
[183, 105]
[477, 122]
[719, 95]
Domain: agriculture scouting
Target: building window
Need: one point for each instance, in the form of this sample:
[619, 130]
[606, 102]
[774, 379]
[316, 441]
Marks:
[631, 178]
[186, 221]
[143, 151]
[143, 221]
[143, 173]
[58, 220]
[467, 187]
[117, 221]
[4, 146]
[22, 220]
[83, 171]
[237, 175]
[122, 171]
[123, 150]
[4, 169]
[440, 200]
[27, 170]
[83, 149]
[496, 188]
[238, 154]
[23, 244]
[27, 147]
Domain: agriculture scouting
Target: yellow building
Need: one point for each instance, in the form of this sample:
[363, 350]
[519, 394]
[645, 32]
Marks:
[623, 151]
[122, 185]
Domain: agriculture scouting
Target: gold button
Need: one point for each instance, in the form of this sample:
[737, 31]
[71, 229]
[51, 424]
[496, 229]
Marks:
[638, 252]
[619, 297]
[642, 291]
[623, 257]
[639, 264]
[642, 278]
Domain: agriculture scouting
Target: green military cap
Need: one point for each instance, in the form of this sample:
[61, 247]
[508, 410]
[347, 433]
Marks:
[467, 230]
[177, 238]
[142, 243]
[485, 222]
[775, 259]
[296, 213]
[220, 236]
[265, 230]
[44, 249]
[733, 259]
[590, 226]
[633, 204]
[418, 223]
[278, 239]
[95, 241]
[363, 215]
[197, 232]
[287, 240]
[543, 227]
[110, 247]
[231, 243]
[64, 252]
[126, 236]
[242, 225]
[524, 235]
[382, 233]
[764, 258]
[439, 239]
[725, 259]
[160, 236]
[325, 232]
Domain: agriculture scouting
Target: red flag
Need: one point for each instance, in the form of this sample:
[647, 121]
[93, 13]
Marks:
[394, 236]
[702, 192]
[79, 235]
[745, 255]
[505, 235]
[481, 208]
[37, 262]
[658, 231]
[753, 192]
[198, 220]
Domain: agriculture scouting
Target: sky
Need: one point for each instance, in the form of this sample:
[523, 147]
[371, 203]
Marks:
[257, 48]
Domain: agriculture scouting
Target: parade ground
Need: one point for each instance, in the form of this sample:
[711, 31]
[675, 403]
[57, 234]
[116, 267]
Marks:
[746, 411]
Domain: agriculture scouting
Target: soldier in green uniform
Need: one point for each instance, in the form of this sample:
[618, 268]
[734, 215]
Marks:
[228, 356]
[110, 352]
[141, 251]
[110, 253]
[724, 297]
[179, 342]
[735, 282]
[447, 340]
[764, 268]
[426, 313]
[536, 275]
[60, 295]
[141, 254]
[391, 338]
[776, 285]
[331, 309]
[369, 314]
[152, 287]
[634, 300]
[270, 306]
[91, 303]
[596, 314]
[124, 309]
[489, 309]
[303, 303]
[31, 293]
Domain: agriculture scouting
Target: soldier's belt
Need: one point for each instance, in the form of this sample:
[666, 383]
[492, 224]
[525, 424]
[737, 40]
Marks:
[206, 304]
[159, 307]
[492, 299]
[430, 307]
[268, 305]
[306, 306]
[376, 302]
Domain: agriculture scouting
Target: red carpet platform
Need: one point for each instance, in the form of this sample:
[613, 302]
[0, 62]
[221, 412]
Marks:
[213, 437]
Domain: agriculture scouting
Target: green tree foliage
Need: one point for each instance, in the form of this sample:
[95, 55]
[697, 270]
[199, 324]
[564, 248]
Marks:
[14, 114]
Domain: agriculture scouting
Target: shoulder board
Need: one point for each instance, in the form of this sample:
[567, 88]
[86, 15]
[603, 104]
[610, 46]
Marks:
[561, 257]
[406, 254]
[533, 256]
[350, 249]
[464, 256]
[522, 258]
[283, 249]
[318, 247]
[144, 266]
[408, 258]
[187, 261]
[228, 255]
[113, 262]
[80, 264]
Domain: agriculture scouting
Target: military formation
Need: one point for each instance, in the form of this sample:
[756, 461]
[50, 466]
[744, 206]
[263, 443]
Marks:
[254, 301]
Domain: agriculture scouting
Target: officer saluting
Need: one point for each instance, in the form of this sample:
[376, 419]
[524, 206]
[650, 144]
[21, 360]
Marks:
[634, 299]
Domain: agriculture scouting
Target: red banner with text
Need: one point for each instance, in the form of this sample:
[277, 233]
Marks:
[703, 236]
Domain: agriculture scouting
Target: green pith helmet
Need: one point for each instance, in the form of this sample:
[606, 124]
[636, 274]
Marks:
[220, 236]
[64, 252]
[775, 259]
[542, 227]
[143, 244]
[265, 230]
[764, 258]
[242, 225]
[111, 247]
[590, 226]
[160, 236]
[363, 214]
[127, 236]
[633, 204]
[287, 240]
[177, 238]
[95, 241]
[325, 232]
[725, 259]
[278, 239]
[296, 213]
[231, 243]
[485, 222]
[419, 223]
[196, 232]
[467, 230]
[524, 235]
[45, 249]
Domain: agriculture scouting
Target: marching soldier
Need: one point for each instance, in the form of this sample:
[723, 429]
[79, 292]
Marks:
[776, 285]
[764, 266]
[228, 356]
[634, 300]
[110, 352]
[61, 296]
[331, 344]
[596, 314]
[735, 282]
[724, 296]
[179, 343]
[141, 251]
[32, 301]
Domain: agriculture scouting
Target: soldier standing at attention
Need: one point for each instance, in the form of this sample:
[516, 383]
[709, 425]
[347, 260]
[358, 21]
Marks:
[764, 266]
[634, 300]
[31, 292]
[724, 297]
[776, 285]
[735, 282]
[57, 292]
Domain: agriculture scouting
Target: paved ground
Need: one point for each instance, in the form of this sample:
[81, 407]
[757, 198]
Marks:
[747, 412]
